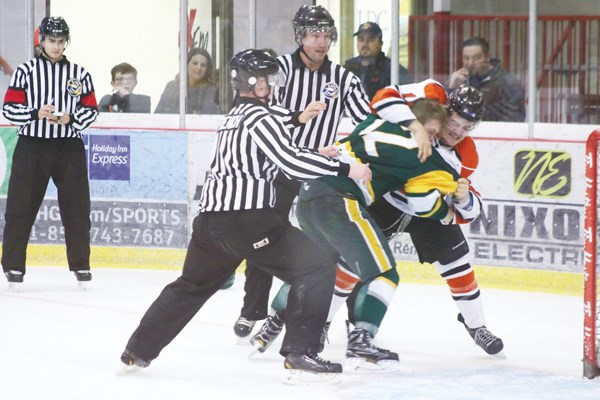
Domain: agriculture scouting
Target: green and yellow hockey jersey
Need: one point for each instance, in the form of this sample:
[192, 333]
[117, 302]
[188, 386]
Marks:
[391, 152]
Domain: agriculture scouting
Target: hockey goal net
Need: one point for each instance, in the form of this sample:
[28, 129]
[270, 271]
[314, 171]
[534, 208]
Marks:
[591, 298]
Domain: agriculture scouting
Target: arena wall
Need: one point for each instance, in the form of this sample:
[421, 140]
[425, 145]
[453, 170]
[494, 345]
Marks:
[145, 185]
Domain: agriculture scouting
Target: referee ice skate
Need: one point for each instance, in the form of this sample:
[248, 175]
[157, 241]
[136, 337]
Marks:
[51, 100]
[237, 221]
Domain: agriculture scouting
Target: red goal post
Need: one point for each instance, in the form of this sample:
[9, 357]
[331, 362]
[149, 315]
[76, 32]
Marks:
[591, 320]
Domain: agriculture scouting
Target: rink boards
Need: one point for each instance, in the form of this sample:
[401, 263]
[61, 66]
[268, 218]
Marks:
[145, 186]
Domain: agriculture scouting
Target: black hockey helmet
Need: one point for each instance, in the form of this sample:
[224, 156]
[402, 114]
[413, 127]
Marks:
[54, 26]
[467, 102]
[313, 17]
[249, 64]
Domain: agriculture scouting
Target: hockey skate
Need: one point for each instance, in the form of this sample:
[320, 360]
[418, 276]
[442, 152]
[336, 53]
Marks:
[269, 331]
[132, 363]
[307, 369]
[15, 279]
[363, 356]
[83, 278]
[485, 339]
[243, 327]
[324, 336]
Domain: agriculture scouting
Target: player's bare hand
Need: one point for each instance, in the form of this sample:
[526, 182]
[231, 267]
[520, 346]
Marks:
[462, 190]
[329, 151]
[449, 216]
[422, 138]
[312, 110]
[360, 171]
[458, 78]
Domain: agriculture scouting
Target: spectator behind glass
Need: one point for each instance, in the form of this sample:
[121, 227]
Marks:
[122, 99]
[504, 96]
[202, 91]
[371, 66]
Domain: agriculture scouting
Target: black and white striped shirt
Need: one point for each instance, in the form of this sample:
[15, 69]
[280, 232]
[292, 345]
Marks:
[339, 88]
[39, 82]
[252, 144]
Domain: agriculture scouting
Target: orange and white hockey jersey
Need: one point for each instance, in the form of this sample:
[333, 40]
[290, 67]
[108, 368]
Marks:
[393, 103]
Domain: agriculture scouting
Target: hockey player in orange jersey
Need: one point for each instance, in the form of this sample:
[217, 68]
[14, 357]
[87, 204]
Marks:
[442, 244]
[434, 240]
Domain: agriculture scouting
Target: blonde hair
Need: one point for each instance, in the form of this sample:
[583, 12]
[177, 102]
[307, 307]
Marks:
[428, 109]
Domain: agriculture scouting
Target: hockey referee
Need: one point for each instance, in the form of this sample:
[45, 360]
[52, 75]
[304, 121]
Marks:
[237, 221]
[51, 100]
[309, 77]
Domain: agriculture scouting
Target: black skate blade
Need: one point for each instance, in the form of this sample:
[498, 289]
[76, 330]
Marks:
[297, 377]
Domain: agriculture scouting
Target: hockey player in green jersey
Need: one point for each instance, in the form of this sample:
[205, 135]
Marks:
[391, 152]
[442, 245]
[333, 213]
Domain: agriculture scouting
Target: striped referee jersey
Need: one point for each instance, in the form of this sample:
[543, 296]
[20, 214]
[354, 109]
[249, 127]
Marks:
[39, 82]
[251, 145]
[333, 84]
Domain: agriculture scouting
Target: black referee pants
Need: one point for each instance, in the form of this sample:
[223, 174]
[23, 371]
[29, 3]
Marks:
[258, 282]
[220, 241]
[34, 162]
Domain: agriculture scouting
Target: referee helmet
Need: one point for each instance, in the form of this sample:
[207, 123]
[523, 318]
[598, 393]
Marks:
[467, 102]
[249, 64]
[313, 18]
[54, 26]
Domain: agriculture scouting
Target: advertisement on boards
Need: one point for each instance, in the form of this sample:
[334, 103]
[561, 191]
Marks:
[8, 141]
[138, 186]
[146, 185]
[532, 217]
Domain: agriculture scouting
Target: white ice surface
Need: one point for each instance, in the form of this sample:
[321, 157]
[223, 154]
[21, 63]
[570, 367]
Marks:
[58, 342]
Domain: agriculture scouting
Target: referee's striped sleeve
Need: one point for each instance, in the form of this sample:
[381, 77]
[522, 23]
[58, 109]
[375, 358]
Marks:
[297, 162]
[88, 111]
[357, 101]
[15, 107]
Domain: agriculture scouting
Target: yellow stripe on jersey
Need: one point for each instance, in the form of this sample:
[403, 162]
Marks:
[434, 209]
[369, 187]
[440, 180]
[347, 153]
[371, 239]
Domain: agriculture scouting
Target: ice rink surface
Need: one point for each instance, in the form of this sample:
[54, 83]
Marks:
[58, 342]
